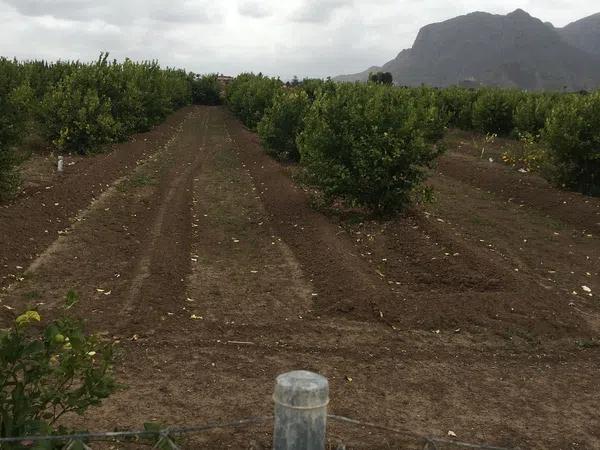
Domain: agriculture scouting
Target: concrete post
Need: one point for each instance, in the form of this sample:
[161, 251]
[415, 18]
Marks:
[301, 399]
[61, 164]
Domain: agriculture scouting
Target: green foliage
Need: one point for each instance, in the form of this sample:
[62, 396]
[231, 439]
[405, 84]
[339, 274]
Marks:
[313, 86]
[531, 112]
[71, 299]
[77, 117]
[15, 99]
[80, 107]
[572, 135]
[282, 123]
[46, 373]
[493, 111]
[458, 104]
[250, 95]
[366, 144]
[381, 78]
[9, 178]
[429, 106]
[206, 90]
[106, 101]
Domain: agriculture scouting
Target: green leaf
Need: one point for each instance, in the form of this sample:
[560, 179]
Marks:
[26, 318]
[71, 299]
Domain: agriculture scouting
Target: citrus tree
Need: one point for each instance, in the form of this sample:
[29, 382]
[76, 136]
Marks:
[250, 95]
[47, 372]
[282, 122]
[367, 145]
[572, 135]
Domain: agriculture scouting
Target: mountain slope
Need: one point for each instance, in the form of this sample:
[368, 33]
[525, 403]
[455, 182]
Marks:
[584, 34]
[515, 50]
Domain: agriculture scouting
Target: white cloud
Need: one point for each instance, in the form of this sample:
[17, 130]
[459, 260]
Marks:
[319, 11]
[254, 9]
[295, 37]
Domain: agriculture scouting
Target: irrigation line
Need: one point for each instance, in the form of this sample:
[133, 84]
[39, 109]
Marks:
[165, 435]
[141, 433]
[430, 442]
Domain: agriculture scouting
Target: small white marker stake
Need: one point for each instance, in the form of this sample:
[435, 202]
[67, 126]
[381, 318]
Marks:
[61, 164]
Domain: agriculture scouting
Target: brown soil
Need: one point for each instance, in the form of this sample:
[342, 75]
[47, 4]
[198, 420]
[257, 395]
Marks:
[206, 262]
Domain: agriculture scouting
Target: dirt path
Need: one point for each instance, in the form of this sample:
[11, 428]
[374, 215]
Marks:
[209, 267]
[50, 203]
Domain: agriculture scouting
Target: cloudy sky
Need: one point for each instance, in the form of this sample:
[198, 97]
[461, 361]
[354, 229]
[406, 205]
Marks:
[278, 37]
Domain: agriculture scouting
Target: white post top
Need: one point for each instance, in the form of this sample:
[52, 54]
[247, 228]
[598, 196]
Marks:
[301, 389]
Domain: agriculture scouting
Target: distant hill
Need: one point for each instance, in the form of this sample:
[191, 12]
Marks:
[515, 50]
[584, 34]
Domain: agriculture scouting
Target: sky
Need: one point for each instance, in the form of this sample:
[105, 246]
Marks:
[307, 38]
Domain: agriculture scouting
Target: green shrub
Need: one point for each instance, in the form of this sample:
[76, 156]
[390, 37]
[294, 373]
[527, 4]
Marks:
[104, 102]
[572, 135]
[312, 87]
[16, 97]
[77, 118]
[206, 90]
[9, 178]
[429, 105]
[531, 112]
[493, 111]
[282, 123]
[122, 84]
[47, 373]
[14, 114]
[80, 107]
[366, 144]
[458, 104]
[142, 95]
[250, 95]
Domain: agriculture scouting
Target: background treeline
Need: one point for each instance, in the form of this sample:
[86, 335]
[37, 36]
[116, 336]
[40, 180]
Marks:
[369, 144]
[77, 107]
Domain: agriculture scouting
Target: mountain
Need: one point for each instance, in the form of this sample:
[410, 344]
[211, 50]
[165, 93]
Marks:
[515, 50]
[584, 34]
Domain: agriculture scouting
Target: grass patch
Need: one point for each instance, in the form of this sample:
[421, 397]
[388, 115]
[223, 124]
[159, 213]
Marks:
[32, 295]
[142, 180]
[587, 343]
[136, 181]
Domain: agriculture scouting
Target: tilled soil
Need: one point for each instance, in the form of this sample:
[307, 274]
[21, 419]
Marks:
[207, 264]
